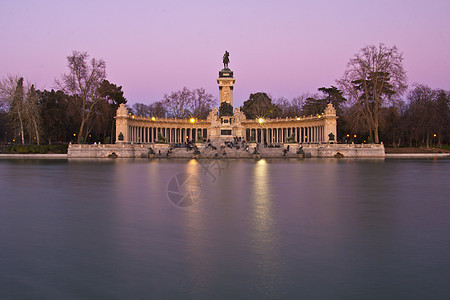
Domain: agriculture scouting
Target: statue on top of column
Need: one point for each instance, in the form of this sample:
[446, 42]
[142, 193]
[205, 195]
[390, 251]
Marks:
[226, 59]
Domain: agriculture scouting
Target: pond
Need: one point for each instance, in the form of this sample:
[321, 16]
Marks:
[225, 229]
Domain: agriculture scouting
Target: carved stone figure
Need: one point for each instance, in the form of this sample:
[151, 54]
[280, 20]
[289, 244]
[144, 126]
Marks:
[226, 60]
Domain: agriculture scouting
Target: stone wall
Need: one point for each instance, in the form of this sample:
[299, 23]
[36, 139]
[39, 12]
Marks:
[107, 150]
[160, 150]
[344, 150]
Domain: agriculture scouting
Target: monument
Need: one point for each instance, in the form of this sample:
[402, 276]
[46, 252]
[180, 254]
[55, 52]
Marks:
[138, 136]
[222, 127]
[226, 81]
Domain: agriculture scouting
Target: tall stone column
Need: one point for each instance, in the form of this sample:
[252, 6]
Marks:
[330, 123]
[226, 82]
[122, 125]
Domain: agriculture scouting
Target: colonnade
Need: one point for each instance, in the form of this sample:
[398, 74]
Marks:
[307, 134]
[143, 134]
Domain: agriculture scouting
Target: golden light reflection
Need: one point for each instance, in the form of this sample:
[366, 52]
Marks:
[196, 241]
[263, 231]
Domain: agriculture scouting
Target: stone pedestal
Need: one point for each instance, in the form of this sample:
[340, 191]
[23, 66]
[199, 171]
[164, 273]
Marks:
[122, 124]
[330, 123]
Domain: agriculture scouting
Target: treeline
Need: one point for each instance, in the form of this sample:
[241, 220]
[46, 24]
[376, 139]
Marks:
[422, 118]
[81, 110]
[371, 100]
[184, 103]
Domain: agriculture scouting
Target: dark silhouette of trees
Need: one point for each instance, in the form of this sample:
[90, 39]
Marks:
[54, 106]
[259, 105]
[225, 109]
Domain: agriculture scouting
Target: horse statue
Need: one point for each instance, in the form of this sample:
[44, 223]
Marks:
[226, 59]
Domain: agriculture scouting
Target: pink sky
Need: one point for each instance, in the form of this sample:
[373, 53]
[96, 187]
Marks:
[284, 48]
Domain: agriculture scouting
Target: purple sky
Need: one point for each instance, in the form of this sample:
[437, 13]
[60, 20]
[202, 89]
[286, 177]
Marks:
[284, 48]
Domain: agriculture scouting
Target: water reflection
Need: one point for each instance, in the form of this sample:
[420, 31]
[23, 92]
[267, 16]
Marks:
[196, 238]
[263, 232]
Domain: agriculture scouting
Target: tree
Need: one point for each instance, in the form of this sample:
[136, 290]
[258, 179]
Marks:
[111, 96]
[374, 77]
[12, 101]
[186, 103]
[17, 108]
[112, 93]
[259, 105]
[201, 103]
[32, 114]
[141, 109]
[288, 108]
[314, 106]
[334, 96]
[53, 109]
[83, 82]
[225, 109]
[157, 109]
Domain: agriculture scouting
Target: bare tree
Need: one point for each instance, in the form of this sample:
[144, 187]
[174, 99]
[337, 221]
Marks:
[12, 98]
[201, 103]
[141, 109]
[373, 77]
[186, 103]
[82, 82]
[177, 103]
[22, 104]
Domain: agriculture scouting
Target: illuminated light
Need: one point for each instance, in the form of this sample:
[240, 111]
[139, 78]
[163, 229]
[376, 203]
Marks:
[187, 137]
[298, 118]
[260, 120]
[14, 140]
[435, 135]
[364, 141]
[354, 135]
[319, 116]
[90, 136]
[306, 136]
[153, 118]
[132, 116]
[74, 134]
[348, 135]
[261, 162]
[192, 120]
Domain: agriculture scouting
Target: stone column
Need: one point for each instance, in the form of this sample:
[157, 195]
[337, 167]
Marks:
[330, 122]
[226, 82]
[122, 124]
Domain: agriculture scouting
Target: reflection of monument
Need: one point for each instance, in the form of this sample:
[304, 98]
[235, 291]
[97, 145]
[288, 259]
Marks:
[301, 129]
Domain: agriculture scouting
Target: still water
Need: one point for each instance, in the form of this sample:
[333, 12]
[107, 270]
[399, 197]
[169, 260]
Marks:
[299, 229]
